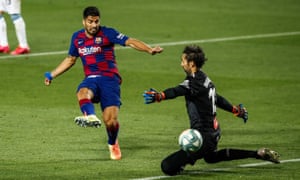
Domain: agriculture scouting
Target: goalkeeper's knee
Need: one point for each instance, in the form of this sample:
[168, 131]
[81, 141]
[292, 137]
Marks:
[174, 163]
[169, 169]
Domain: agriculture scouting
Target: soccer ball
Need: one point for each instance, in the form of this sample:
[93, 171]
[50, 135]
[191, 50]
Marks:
[190, 140]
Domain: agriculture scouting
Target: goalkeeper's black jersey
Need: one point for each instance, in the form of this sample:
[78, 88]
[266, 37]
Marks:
[201, 100]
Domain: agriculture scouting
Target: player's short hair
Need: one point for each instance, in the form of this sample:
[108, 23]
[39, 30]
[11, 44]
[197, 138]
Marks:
[91, 11]
[196, 54]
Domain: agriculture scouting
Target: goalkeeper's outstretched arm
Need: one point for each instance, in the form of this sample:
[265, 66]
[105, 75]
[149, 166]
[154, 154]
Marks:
[238, 110]
[152, 95]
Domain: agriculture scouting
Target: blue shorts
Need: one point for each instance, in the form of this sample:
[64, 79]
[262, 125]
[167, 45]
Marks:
[106, 90]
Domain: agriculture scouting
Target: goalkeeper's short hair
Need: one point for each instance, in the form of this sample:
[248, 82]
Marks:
[196, 54]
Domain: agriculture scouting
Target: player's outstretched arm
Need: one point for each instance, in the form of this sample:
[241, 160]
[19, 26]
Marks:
[66, 64]
[141, 46]
[151, 96]
[238, 111]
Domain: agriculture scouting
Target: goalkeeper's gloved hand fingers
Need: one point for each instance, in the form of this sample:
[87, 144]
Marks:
[240, 112]
[149, 97]
[152, 95]
[245, 117]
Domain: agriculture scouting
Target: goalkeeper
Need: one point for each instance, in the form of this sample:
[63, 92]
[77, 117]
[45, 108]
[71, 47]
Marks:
[201, 102]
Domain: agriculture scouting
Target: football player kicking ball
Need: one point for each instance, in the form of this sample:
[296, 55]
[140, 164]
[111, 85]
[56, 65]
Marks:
[201, 102]
[95, 46]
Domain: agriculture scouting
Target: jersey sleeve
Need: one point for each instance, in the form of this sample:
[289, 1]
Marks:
[181, 90]
[174, 92]
[115, 36]
[72, 49]
[223, 103]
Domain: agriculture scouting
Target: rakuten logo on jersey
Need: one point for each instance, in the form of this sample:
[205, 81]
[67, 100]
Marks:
[89, 50]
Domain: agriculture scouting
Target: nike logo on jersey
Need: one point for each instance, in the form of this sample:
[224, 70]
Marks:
[80, 41]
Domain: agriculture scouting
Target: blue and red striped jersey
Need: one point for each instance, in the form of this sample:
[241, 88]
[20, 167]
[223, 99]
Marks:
[97, 53]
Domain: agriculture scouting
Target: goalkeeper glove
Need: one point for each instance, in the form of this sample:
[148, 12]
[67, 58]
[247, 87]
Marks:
[152, 95]
[240, 112]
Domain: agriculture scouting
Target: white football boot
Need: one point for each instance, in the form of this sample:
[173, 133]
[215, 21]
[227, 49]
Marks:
[88, 121]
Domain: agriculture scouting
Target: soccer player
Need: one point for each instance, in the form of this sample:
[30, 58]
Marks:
[13, 8]
[94, 44]
[201, 102]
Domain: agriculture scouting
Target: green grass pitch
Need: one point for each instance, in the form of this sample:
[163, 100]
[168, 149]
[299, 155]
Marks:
[39, 140]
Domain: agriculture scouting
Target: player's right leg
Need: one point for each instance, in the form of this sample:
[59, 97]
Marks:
[20, 27]
[236, 154]
[88, 121]
[110, 104]
[4, 48]
[89, 118]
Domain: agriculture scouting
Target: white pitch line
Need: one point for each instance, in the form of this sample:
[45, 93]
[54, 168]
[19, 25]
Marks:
[266, 163]
[221, 169]
[234, 38]
[212, 40]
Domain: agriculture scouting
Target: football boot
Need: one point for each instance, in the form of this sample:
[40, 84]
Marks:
[88, 121]
[268, 155]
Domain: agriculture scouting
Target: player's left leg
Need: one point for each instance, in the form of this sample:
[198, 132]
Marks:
[228, 155]
[236, 154]
[89, 118]
[20, 27]
[110, 118]
[175, 162]
[110, 104]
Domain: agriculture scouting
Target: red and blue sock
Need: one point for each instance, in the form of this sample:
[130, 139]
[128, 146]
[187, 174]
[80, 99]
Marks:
[86, 106]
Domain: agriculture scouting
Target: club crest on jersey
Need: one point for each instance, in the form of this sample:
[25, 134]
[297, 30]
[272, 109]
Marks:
[98, 40]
